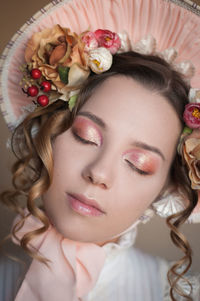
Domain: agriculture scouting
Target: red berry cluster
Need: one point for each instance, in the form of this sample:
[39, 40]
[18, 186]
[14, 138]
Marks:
[33, 91]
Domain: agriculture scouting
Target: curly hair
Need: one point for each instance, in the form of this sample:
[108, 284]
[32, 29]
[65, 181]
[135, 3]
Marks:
[33, 139]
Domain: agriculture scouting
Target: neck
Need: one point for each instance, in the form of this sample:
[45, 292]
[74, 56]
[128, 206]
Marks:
[107, 241]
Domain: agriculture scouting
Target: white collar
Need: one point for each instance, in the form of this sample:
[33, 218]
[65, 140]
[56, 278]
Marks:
[125, 241]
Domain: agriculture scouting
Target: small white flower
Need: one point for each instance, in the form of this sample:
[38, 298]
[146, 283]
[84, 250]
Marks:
[186, 68]
[169, 54]
[99, 60]
[125, 42]
[194, 95]
[145, 46]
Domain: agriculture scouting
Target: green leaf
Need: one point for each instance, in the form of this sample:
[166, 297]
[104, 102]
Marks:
[187, 130]
[72, 102]
[63, 73]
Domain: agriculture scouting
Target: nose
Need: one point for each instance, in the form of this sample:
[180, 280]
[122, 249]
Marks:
[100, 172]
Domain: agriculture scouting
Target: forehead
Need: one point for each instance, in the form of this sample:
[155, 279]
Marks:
[131, 110]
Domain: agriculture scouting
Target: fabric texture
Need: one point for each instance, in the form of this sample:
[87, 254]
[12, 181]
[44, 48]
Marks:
[125, 273]
[144, 278]
[72, 268]
[193, 6]
[163, 20]
[128, 274]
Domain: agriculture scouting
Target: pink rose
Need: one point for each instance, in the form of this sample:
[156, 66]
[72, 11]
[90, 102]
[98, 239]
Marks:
[191, 115]
[90, 41]
[108, 39]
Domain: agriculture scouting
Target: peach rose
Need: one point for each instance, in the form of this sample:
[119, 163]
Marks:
[191, 154]
[54, 47]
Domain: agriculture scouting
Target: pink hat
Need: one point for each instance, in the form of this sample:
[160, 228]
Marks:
[170, 24]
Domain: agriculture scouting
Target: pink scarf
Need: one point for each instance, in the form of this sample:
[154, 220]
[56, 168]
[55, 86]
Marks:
[74, 266]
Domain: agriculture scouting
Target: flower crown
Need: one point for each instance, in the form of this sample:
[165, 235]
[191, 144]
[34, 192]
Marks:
[58, 62]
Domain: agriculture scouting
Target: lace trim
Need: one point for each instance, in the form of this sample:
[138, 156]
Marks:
[187, 4]
[125, 241]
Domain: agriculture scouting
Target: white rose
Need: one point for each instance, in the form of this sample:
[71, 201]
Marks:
[99, 60]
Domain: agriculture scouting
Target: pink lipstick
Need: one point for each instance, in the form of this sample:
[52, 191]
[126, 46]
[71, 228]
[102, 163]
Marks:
[84, 206]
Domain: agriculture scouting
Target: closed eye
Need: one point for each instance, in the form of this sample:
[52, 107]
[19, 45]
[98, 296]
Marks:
[82, 140]
[85, 141]
[140, 171]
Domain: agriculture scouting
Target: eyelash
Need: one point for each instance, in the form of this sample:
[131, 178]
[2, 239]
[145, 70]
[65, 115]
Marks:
[80, 139]
[141, 172]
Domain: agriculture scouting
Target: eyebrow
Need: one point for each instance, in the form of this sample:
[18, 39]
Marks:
[94, 118]
[149, 147]
[140, 144]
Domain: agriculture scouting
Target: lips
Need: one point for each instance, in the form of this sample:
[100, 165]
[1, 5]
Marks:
[86, 201]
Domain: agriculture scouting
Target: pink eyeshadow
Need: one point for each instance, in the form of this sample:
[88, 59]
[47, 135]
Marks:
[87, 130]
[142, 160]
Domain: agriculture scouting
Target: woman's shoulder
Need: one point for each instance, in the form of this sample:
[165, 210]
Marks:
[11, 275]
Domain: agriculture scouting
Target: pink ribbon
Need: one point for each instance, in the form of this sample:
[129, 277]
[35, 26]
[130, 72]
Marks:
[72, 272]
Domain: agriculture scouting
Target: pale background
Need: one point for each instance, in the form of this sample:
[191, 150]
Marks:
[154, 236]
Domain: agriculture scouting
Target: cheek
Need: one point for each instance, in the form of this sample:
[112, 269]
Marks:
[138, 195]
[66, 156]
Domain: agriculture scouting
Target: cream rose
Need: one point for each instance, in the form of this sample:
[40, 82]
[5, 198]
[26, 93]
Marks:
[99, 60]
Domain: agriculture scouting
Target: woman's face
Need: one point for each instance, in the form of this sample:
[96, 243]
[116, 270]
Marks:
[113, 162]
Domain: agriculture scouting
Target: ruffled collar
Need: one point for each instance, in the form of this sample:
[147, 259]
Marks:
[125, 241]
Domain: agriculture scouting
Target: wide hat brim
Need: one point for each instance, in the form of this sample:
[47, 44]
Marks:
[171, 25]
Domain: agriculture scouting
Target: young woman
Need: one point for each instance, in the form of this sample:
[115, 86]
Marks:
[98, 165]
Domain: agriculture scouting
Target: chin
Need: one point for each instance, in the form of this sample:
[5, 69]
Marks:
[81, 236]
[73, 234]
